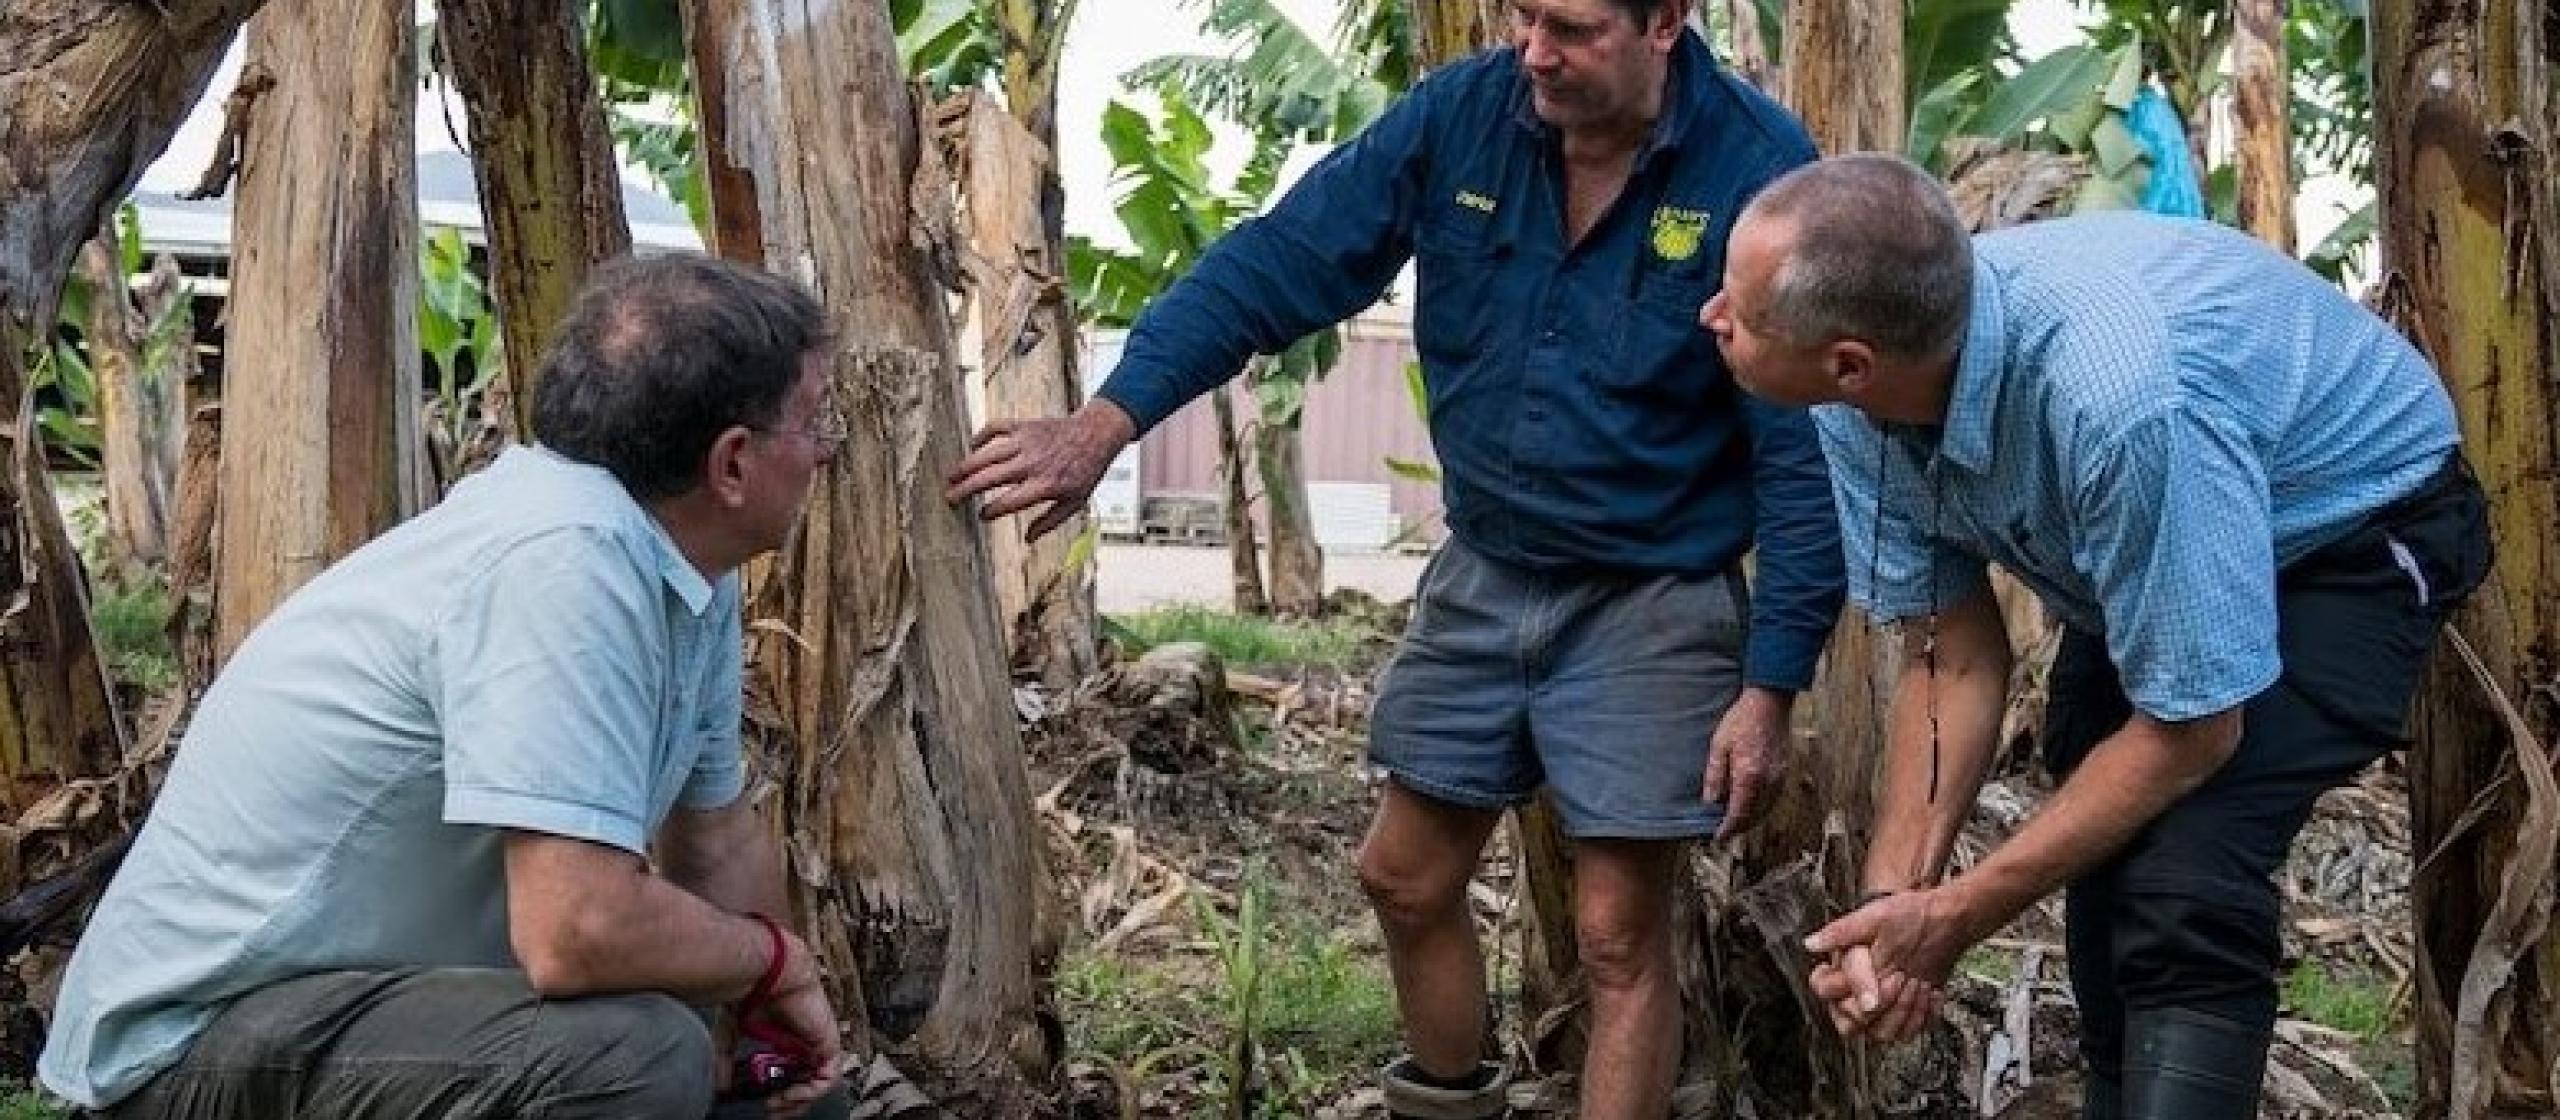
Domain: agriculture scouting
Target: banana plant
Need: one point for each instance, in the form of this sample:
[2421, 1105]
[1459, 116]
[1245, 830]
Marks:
[2075, 100]
[1279, 76]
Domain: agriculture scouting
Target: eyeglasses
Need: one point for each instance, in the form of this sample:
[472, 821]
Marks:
[828, 429]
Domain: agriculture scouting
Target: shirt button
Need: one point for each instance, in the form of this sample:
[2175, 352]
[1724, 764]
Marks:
[1550, 335]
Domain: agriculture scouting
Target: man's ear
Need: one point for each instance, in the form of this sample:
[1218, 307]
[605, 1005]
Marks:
[724, 467]
[1670, 18]
[1852, 366]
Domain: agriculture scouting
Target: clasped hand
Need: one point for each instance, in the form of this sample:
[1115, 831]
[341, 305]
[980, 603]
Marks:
[1883, 967]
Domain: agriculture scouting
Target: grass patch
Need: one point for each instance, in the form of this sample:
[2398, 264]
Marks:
[2395, 1070]
[2353, 1001]
[19, 1101]
[1324, 999]
[1997, 966]
[1242, 639]
[1325, 1016]
[129, 622]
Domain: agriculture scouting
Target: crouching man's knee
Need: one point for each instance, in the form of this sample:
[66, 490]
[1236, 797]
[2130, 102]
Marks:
[625, 1055]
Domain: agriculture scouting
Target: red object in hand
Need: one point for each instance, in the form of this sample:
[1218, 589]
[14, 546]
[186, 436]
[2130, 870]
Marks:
[782, 1060]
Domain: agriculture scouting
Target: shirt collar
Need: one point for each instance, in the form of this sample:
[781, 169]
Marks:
[1974, 400]
[1691, 61]
[678, 572]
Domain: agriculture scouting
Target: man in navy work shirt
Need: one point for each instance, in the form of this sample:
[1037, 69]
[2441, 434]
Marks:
[1586, 625]
[2240, 492]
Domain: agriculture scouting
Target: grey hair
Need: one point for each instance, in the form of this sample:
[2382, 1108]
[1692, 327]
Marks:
[1878, 254]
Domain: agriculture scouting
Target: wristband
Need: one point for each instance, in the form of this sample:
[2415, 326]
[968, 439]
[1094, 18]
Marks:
[762, 993]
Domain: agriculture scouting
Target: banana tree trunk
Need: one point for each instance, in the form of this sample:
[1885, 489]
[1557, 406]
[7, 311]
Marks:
[1244, 549]
[137, 493]
[545, 164]
[1844, 73]
[321, 368]
[880, 653]
[2466, 116]
[90, 92]
[1447, 30]
[2262, 102]
[1297, 561]
[1044, 589]
[191, 580]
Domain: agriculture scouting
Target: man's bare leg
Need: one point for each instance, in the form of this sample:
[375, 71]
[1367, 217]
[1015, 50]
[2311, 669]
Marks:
[1622, 926]
[1415, 866]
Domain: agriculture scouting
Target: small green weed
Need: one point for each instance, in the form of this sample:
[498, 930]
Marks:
[130, 622]
[2353, 1001]
[1276, 1017]
[1998, 966]
[1321, 998]
[19, 1101]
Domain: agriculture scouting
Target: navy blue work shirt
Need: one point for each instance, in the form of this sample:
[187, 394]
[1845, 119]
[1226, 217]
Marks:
[1583, 420]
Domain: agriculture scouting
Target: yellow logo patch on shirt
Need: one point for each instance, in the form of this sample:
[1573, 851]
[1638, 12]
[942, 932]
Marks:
[1473, 201]
[1677, 233]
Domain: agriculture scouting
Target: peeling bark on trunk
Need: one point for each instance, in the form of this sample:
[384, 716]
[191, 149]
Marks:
[1244, 548]
[137, 493]
[1445, 31]
[90, 92]
[2262, 103]
[191, 559]
[1844, 73]
[1028, 333]
[322, 371]
[904, 799]
[2467, 116]
[545, 164]
[1297, 561]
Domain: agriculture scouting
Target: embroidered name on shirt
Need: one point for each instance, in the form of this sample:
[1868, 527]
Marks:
[1678, 232]
[1473, 201]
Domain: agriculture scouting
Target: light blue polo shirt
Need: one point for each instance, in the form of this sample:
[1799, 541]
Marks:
[2151, 418]
[532, 653]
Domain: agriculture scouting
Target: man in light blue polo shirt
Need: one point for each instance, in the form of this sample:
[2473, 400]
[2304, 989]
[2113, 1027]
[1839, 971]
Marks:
[2240, 493]
[400, 864]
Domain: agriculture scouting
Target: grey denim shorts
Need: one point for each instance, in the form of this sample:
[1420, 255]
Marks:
[1606, 688]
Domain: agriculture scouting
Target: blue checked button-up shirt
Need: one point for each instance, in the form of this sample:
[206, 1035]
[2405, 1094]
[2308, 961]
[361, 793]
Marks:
[2151, 417]
[1583, 420]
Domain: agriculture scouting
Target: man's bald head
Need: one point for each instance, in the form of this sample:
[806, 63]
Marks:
[1874, 251]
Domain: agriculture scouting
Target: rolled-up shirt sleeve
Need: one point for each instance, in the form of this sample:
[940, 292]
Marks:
[549, 714]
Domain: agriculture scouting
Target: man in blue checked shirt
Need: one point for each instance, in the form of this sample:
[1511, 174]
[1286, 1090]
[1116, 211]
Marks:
[1587, 625]
[2240, 493]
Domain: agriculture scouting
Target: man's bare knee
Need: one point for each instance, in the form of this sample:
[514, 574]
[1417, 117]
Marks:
[1409, 889]
[1622, 914]
[1621, 949]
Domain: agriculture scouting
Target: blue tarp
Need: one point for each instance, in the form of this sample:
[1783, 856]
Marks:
[2173, 176]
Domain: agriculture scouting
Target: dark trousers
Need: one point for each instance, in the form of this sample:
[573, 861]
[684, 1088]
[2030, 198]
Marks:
[2186, 915]
[428, 1043]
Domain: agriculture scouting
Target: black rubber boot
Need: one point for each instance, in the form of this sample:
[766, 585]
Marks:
[2101, 1097]
[1408, 1098]
[2188, 1065]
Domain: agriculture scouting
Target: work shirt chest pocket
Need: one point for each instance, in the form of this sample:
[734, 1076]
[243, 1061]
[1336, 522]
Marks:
[1660, 353]
[1458, 262]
